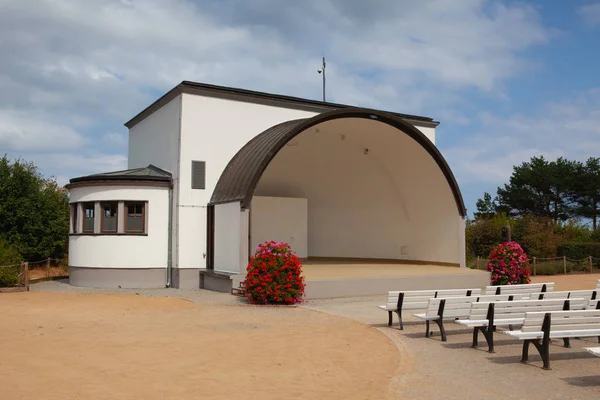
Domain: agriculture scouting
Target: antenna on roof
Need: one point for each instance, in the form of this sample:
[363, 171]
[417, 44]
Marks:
[322, 70]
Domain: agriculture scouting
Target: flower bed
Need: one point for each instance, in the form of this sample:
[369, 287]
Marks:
[509, 265]
[274, 275]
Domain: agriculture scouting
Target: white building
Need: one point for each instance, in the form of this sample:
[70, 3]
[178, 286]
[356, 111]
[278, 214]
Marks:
[213, 171]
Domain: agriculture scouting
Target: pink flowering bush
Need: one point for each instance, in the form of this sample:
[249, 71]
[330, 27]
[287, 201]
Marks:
[509, 264]
[274, 275]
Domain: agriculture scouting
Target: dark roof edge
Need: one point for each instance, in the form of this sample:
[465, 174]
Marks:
[132, 178]
[276, 100]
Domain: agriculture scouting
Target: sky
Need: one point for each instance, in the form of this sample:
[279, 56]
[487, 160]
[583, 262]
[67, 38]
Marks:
[507, 80]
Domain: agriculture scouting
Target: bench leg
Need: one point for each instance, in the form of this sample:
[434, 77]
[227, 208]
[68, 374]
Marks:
[440, 324]
[427, 334]
[399, 312]
[390, 318]
[525, 354]
[567, 343]
[475, 336]
[542, 346]
[489, 338]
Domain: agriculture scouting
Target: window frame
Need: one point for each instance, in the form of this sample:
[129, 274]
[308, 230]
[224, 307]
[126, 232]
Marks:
[74, 215]
[104, 217]
[126, 227]
[84, 208]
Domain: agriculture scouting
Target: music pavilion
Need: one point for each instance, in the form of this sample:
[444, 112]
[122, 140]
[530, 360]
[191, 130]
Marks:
[363, 196]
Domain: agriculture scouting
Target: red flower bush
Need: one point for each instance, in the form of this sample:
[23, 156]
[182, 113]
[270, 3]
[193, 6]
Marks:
[274, 275]
[509, 264]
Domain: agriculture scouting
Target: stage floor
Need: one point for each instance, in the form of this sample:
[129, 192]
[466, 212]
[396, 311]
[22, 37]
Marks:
[328, 279]
[317, 270]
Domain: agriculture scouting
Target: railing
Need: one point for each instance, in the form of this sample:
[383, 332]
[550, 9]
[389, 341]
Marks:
[550, 266]
[27, 272]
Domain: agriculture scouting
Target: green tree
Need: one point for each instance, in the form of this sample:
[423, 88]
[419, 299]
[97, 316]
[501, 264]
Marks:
[586, 190]
[540, 188]
[486, 207]
[34, 211]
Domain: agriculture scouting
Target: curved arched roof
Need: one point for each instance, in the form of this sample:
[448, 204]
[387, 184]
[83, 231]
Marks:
[241, 176]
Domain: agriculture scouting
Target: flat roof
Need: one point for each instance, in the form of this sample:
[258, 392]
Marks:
[277, 100]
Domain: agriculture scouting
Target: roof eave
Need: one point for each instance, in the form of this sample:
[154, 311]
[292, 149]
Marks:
[238, 94]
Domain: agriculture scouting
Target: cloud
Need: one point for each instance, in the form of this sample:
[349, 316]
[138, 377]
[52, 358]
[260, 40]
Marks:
[80, 69]
[20, 130]
[117, 140]
[590, 14]
[568, 128]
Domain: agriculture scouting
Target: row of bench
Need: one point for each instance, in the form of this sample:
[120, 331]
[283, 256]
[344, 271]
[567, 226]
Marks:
[418, 299]
[541, 313]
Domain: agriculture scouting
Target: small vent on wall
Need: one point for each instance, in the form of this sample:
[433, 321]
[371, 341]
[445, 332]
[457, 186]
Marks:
[403, 250]
[198, 175]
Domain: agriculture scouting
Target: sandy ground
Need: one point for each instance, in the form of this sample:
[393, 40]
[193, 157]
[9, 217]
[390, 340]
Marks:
[569, 282]
[322, 270]
[99, 346]
[106, 346]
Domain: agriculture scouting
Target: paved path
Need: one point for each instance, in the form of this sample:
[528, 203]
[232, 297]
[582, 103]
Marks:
[453, 370]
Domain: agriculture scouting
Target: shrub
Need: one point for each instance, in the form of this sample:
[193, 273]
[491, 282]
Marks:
[508, 264]
[274, 275]
[9, 276]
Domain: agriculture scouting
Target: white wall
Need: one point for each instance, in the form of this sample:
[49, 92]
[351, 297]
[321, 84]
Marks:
[123, 251]
[244, 239]
[427, 131]
[214, 130]
[227, 237]
[393, 202]
[154, 140]
[280, 219]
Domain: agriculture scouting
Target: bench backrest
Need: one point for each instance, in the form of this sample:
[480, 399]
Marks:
[562, 321]
[521, 288]
[598, 284]
[518, 308]
[461, 306]
[418, 299]
[586, 294]
[593, 305]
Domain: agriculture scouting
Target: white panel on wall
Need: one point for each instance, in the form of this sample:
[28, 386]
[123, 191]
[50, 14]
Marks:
[227, 237]
[281, 219]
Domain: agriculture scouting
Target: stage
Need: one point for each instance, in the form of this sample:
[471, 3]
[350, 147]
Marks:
[330, 279]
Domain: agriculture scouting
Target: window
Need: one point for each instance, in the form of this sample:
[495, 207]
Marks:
[198, 175]
[88, 218]
[136, 217]
[109, 217]
[74, 217]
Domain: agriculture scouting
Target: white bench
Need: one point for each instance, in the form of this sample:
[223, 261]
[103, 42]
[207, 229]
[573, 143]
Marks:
[486, 317]
[539, 327]
[520, 288]
[588, 295]
[440, 308]
[418, 299]
[598, 284]
[594, 350]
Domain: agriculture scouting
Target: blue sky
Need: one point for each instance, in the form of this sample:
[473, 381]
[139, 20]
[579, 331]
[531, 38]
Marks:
[507, 79]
